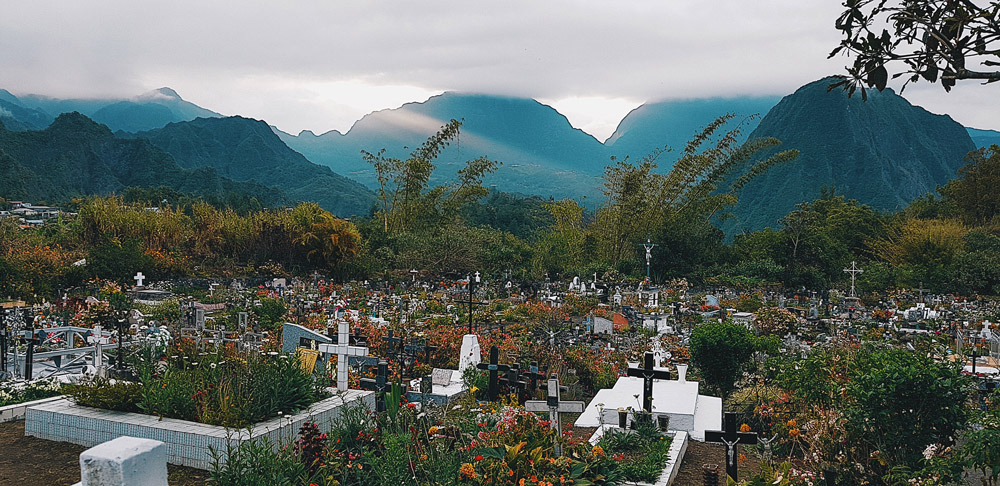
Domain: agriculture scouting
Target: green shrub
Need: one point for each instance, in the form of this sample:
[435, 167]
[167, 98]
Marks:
[122, 396]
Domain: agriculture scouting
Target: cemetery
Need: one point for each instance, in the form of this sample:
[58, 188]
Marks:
[379, 383]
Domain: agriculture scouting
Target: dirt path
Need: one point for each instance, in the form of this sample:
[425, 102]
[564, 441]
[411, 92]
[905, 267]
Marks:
[29, 461]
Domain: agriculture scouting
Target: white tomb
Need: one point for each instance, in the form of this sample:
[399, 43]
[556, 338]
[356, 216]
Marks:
[470, 355]
[678, 399]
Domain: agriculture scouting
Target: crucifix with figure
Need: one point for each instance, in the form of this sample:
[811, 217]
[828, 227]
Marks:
[344, 351]
[731, 437]
[648, 373]
[493, 367]
[554, 406]
[649, 245]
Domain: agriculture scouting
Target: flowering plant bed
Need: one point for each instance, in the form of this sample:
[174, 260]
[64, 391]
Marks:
[13, 393]
[645, 456]
[222, 388]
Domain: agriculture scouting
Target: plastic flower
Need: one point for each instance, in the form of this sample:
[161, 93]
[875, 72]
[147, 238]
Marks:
[744, 428]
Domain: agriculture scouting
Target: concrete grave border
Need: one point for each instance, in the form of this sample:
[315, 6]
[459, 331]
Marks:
[678, 446]
[187, 442]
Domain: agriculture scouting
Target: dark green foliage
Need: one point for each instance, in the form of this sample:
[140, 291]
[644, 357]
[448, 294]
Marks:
[120, 395]
[117, 260]
[974, 193]
[75, 157]
[720, 351]
[255, 463]
[270, 312]
[645, 451]
[900, 402]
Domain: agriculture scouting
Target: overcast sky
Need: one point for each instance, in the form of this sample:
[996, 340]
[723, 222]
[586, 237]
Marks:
[321, 65]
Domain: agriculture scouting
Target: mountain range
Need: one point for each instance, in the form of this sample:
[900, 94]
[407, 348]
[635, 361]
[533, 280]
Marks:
[75, 156]
[243, 149]
[884, 152]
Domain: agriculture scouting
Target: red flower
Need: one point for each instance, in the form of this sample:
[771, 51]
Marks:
[479, 458]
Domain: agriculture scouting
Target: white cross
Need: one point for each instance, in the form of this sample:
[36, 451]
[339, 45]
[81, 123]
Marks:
[98, 340]
[343, 350]
[139, 277]
[854, 271]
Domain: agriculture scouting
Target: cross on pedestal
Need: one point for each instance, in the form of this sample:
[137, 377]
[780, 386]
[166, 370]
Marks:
[98, 340]
[648, 373]
[731, 436]
[139, 277]
[554, 406]
[379, 384]
[343, 350]
[493, 367]
[921, 289]
[648, 245]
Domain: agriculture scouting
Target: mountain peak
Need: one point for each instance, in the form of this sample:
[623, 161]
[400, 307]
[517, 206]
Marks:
[163, 93]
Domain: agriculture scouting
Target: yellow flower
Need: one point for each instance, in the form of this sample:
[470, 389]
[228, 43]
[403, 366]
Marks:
[467, 471]
[597, 451]
[433, 430]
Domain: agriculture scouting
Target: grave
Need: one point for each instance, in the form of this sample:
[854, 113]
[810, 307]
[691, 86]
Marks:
[187, 442]
[677, 399]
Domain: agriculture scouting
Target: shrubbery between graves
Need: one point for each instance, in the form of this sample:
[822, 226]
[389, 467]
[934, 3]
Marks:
[219, 388]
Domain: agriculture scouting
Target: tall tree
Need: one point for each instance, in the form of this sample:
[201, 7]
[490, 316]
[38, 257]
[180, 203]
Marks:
[405, 199]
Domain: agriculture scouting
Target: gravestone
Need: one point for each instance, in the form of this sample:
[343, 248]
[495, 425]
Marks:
[441, 377]
[125, 461]
[648, 373]
[470, 354]
[554, 406]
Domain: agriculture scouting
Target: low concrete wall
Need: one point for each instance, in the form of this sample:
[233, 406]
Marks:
[678, 446]
[187, 442]
[16, 411]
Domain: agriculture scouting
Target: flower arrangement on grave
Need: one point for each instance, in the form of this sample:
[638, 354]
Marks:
[641, 453]
[224, 387]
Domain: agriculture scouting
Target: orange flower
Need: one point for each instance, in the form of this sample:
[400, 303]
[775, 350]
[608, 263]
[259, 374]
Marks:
[467, 471]
[792, 423]
[793, 433]
[743, 458]
[597, 451]
[744, 428]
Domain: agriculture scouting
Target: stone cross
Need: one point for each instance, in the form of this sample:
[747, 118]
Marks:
[648, 373]
[554, 406]
[731, 437]
[533, 375]
[343, 350]
[98, 341]
[493, 367]
[139, 277]
[854, 271]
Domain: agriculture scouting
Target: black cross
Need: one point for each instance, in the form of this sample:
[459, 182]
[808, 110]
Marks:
[357, 339]
[731, 436]
[379, 384]
[514, 382]
[648, 374]
[394, 344]
[414, 351]
[493, 367]
[533, 375]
